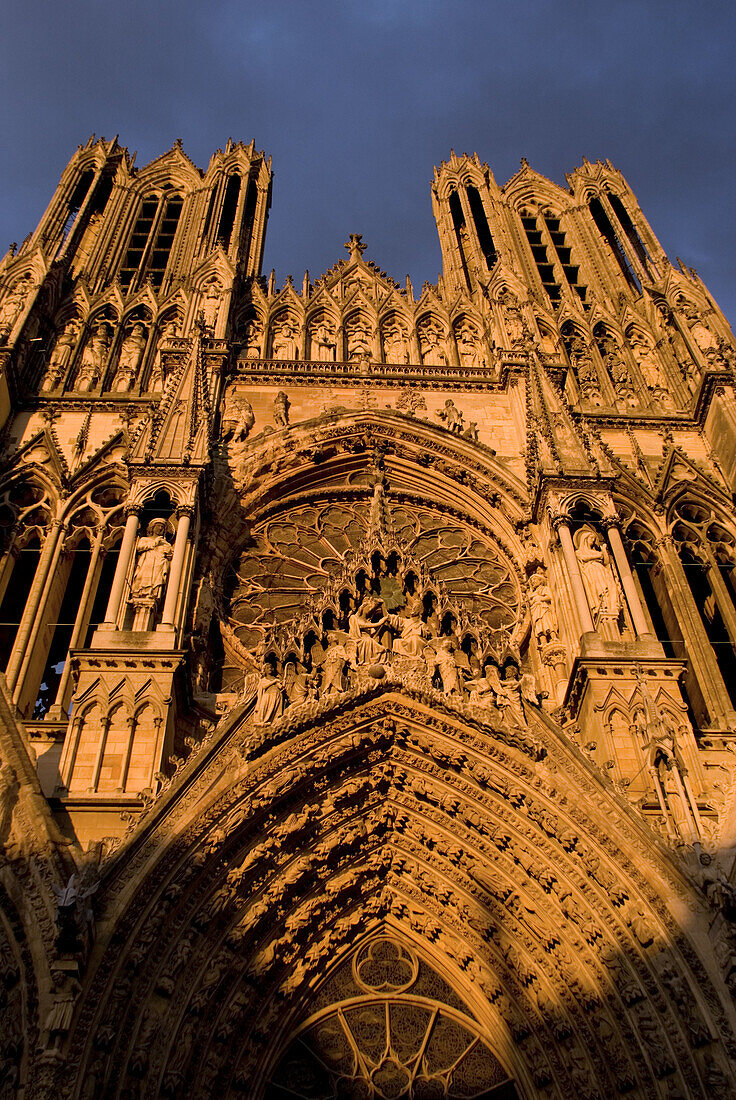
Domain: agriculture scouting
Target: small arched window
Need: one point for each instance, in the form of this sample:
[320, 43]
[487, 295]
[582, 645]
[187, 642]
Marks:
[150, 243]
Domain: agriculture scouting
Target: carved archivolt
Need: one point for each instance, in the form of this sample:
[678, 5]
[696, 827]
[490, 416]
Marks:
[367, 850]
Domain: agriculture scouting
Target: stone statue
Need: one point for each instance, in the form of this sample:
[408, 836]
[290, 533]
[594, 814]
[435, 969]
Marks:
[452, 417]
[411, 630]
[12, 306]
[395, 344]
[131, 354]
[699, 331]
[269, 697]
[363, 628]
[598, 578]
[9, 787]
[153, 555]
[94, 357]
[211, 304]
[587, 375]
[469, 347]
[281, 409]
[237, 419]
[333, 667]
[508, 699]
[253, 337]
[323, 343]
[513, 321]
[283, 342]
[651, 370]
[485, 689]
[441, 657]
[542, 610]
[432, 344]
[61, 355]
[358, 341]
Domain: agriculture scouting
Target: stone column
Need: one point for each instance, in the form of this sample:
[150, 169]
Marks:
[123, 780]
[699, 651]
[127, 549]
[722, 596]
[100, 755]
[177, 566]
[81, 623]
[41, 581]
[7, 562]
[575, 576]
[638, 617]
[69, 755]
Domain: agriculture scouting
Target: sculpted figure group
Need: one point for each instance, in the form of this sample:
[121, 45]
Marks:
[377, 633]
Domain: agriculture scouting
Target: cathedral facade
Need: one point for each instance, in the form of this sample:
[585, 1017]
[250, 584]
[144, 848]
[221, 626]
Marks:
[368, 718]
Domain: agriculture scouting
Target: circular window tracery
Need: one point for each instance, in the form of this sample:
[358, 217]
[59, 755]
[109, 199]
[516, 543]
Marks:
[389, 1041]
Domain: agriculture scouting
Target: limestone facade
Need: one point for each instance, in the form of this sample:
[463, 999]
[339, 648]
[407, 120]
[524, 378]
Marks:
[368, 723]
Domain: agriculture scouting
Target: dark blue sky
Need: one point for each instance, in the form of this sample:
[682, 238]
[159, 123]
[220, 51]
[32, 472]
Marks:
[356, 100]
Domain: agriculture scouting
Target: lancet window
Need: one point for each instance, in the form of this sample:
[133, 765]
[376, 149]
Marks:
[606, 230]
[151, 241]
[629, 229]
[229, 209]
[74, 205]
[485, 240]
[461, 232]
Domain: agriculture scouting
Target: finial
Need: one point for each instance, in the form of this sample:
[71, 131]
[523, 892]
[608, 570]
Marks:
[355, 246]
[524, 162]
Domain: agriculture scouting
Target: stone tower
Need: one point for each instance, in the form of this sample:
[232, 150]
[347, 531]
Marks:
[369, 710]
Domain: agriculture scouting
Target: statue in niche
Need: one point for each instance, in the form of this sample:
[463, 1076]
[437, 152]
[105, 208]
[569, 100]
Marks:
[283, 341]
[542, 610]
[587, 375]
[469, 347]
[598, 579]
[395, 343]
[358, 342]
[651, 370]
[452, 417]
[252, 338]
[323, 342]
[513, 321]
[12, 306]
[61, 355]
[131, 354]
[211, 305]
[94, 357]
[153, 556]
[614, 364]
[432, 344]
[281, 409]
[269, 696]
[699, 331]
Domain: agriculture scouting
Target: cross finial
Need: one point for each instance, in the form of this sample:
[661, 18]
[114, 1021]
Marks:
[355, 246]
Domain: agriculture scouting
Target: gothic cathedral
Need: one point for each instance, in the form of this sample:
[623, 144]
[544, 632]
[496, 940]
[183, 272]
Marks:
[368, 721]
